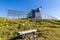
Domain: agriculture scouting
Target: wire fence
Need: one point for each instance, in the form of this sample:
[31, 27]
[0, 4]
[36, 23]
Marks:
[23, 14]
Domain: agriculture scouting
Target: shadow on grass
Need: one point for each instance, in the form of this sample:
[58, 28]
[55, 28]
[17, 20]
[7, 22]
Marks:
[15, 38]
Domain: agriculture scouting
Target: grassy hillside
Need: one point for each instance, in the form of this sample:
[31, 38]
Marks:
[49, 28]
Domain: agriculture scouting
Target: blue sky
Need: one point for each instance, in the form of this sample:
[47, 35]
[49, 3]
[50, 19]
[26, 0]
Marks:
[51, 7]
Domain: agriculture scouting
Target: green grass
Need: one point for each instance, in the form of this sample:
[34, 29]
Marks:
[49, 28]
